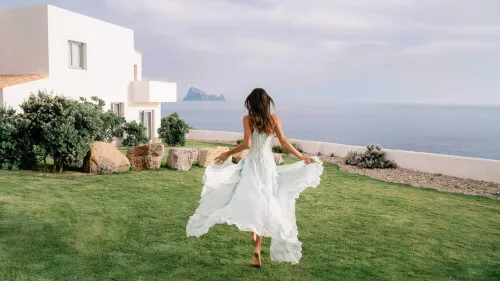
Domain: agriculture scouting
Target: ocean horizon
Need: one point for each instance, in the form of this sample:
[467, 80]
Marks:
[461, 130]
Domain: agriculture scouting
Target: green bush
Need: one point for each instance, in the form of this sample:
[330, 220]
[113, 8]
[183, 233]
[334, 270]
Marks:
[299, 149]
[239, 141]
[372, 158]
[62, 128]
[16, 148]
[173, 130]
[8, 141]
[279, 149]
[135, 134]
[112, 126]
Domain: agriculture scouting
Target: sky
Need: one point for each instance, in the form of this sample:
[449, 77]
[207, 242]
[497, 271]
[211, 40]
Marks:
[334, 51]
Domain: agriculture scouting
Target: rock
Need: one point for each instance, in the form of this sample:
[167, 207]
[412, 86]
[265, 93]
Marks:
[278, 158]
[207, 155]
[239, 156]
[104, 157]
[181, 158]
[145, 157]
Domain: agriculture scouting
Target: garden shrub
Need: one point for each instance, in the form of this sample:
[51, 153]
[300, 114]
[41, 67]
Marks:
[135, 134]
[299, 149]
[372, 158]
[8, 142]
[16, 149]
[62, 128]
[173, 130]
[279, 149]
[112, 126]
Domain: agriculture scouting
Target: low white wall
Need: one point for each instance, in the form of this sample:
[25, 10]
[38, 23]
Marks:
[213, 136]
[457, 166]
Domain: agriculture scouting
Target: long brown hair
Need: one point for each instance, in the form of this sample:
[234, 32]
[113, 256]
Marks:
[259, 104]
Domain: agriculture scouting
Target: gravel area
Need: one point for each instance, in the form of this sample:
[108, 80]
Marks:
[426, 180]
[420, 179]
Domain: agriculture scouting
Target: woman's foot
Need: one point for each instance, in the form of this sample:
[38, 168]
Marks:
[254, 236]
[256, 262]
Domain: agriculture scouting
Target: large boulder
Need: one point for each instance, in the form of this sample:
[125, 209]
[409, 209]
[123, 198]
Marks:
[181, 158]
[146, 156]
[278, 158]
[239, 156]
[104, 157]
[206, 156]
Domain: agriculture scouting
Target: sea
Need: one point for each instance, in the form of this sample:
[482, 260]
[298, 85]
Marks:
[472, 131]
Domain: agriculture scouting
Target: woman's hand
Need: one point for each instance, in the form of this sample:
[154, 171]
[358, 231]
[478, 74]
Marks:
[221, 158]
[307, 159]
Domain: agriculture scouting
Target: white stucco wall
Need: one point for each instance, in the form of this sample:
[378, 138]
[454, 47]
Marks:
[110, 57]
[461, 167]
[138, 62]
[24, 47]
[153, 91]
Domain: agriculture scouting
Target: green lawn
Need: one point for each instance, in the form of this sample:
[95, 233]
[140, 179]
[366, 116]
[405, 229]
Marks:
[131, 226]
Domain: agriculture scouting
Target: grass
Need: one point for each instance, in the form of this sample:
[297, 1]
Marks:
[131, 226]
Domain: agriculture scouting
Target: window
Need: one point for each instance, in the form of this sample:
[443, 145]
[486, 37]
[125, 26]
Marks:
[76, 55]
[117, 108]
[146, 119]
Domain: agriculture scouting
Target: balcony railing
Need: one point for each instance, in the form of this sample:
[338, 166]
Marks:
[154, 91]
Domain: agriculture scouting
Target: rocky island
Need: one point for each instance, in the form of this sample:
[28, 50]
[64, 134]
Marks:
[195, 94]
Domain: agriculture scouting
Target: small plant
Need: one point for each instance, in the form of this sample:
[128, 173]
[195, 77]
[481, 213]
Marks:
[332, 155]
[173, 130]
[299, 149]
[279, 149]
[320, 154]
[135, 134]
[372, 158]
[239, 141]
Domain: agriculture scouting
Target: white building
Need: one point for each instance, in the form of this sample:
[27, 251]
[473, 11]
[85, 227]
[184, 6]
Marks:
[48, 48]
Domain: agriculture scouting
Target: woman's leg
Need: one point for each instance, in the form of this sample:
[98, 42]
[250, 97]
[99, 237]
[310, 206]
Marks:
[256, 260]
[254, 236]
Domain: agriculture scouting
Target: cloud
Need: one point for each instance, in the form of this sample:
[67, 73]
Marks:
[226, 46]
[451, 48]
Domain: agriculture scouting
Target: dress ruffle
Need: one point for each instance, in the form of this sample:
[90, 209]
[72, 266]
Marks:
[257, 196]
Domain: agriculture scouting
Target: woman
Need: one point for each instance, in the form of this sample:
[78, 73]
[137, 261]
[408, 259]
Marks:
[256, 195]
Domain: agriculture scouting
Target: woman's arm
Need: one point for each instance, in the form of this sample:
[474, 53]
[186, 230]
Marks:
[286, 144]
[247, 141]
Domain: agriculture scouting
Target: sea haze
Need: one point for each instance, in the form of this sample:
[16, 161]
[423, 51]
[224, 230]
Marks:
[472, 131]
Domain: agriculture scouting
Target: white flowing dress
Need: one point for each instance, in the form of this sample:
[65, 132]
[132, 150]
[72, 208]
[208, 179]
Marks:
[256, 196]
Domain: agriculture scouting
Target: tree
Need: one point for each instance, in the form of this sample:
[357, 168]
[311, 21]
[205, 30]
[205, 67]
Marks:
[173, 130]
[63, 128]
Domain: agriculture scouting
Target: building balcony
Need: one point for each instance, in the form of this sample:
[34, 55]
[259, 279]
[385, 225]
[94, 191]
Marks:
[153, 91]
